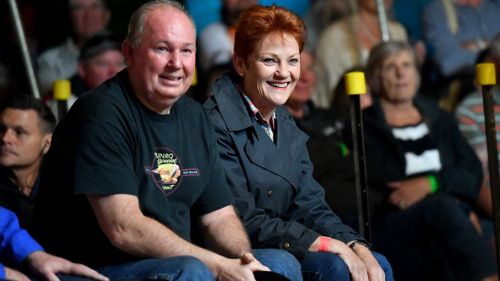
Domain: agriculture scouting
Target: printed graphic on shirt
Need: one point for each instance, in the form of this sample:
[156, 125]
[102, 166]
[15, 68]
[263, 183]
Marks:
[166, 170]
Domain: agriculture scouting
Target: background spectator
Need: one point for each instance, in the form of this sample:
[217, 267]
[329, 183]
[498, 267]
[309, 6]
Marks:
[26, 126]
[420, 173]
[345, 44]
[88, 17]
[470, 114]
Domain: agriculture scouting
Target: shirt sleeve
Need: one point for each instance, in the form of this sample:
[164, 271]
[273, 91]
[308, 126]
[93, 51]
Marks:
[15, 243]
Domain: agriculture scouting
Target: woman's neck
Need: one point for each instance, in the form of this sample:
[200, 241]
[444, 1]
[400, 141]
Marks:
[400, 114]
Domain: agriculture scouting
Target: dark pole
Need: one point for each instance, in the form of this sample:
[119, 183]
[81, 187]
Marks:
[485, 76]
[355, 86]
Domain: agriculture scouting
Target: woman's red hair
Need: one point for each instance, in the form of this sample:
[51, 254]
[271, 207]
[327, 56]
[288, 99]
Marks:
[259, 21]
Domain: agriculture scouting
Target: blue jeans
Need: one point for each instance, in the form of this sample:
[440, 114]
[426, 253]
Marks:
[330, 267]
[281, 262]
[185, 268]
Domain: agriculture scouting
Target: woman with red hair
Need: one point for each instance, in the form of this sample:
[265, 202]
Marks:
[265, 156]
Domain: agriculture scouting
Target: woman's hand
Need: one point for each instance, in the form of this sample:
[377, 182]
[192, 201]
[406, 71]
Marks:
[408, 192]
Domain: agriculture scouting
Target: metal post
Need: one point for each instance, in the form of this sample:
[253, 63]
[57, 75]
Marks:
[24, 48]
[382, 21]
[485, 76]
[355, 86]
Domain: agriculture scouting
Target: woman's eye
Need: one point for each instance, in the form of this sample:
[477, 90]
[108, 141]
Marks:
[293, 61]
[268, 61]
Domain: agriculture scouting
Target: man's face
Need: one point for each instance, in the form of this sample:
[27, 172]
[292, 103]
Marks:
[161, 67]
[88, 17]
[22, 142]
[304, 88]
[100, 68]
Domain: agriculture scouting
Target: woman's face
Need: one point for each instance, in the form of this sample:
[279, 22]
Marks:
[271, 72]
[399, 77]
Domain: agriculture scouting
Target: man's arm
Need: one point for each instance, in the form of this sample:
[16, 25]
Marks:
[122, 221]
[224, 233]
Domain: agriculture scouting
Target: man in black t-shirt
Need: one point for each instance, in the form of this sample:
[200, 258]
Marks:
[134, 160]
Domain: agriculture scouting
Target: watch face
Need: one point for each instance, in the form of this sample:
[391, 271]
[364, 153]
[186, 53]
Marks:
[269, 276]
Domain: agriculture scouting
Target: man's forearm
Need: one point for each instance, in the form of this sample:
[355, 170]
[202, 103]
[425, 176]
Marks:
[130, 231]
[225, 234]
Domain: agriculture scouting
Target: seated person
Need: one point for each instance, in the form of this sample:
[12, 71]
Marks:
[265, 156]
[458, 30]
[420, 173]
[100, 59]
[333, 162]
[132, 163]
[346, 43]
[470, 114]
[87, 18]
[26, 126]
[217, 39]
[17, 248]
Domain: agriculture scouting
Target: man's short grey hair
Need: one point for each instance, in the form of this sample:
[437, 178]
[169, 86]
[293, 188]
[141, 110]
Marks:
[136, 25]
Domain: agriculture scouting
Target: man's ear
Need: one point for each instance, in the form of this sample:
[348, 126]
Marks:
[128, 52]
[239, 65]
[46, 142]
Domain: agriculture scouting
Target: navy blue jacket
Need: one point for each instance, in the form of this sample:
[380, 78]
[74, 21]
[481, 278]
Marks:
[280, 203]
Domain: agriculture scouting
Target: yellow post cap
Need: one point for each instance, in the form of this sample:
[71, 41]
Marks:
[485, 74]
[62, 89]
[355, 83]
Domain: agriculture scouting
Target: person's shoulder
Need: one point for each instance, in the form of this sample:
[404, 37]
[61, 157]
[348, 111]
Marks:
[212, 28]
[54, 52]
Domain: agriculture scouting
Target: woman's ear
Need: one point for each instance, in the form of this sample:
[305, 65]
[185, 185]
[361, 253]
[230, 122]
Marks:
[239, 65]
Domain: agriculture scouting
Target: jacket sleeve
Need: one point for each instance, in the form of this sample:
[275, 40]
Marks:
[311, 209]
[15, 243]
[462, 174]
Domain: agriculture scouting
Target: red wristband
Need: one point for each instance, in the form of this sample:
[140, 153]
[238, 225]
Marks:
[324, 243]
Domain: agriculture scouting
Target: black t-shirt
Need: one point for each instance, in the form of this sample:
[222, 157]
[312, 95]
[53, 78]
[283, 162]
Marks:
[109, 143]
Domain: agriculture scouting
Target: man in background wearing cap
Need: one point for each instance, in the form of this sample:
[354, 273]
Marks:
[470, 114]
[100, 59]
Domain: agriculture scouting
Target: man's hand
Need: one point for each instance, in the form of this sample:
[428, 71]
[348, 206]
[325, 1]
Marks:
[408, 192]
[239, 269]
[12, 274]
[47, 266]
[375, 272]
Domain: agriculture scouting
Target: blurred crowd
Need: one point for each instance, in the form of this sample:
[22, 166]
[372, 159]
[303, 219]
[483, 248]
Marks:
[430, 199]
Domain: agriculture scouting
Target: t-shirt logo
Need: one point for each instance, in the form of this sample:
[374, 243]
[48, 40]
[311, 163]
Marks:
[165, 170]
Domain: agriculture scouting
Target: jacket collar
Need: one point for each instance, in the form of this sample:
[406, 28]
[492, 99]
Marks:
[231, 106]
